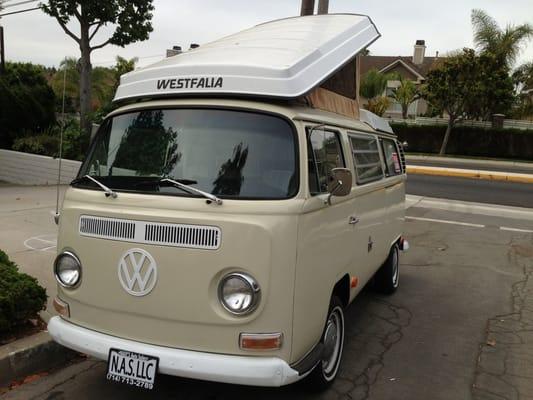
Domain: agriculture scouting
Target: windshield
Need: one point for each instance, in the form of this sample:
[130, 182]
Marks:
[232, 154]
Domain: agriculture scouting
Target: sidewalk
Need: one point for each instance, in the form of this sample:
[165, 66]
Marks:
[28, 232]
[507, 171]
[470, 163]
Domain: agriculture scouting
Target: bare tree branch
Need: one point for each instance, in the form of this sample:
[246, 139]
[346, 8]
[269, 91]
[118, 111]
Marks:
[94, 32]
[67, 31]
[102, 44]
[77, 14]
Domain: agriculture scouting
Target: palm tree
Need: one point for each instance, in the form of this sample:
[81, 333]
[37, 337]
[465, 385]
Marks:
[505, 44]
[372, 88]
[103, 82]
[122, 67]
[523, 76]
[523, 80]
[405, 95]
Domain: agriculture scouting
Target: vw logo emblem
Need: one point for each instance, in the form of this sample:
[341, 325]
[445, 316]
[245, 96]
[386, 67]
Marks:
[137, 272]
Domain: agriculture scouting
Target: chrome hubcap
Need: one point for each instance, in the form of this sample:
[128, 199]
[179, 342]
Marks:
[330, 339]
[332, 344]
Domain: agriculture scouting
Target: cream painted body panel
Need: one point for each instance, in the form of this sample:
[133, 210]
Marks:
[330, 248]
[297, 249]
[182, 310]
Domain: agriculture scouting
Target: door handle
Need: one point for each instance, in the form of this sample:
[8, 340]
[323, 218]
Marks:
[353, 220]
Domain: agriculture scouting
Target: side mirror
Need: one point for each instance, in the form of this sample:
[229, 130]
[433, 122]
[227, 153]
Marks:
[340, 183]
[405, 145]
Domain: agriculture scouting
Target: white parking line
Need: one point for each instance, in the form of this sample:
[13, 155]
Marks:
[41, 242]
[491, 210]
[445, 221]
[505, 228]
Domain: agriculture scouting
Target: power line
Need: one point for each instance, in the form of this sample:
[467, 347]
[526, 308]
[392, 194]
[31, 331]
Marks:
[19, 3]
[139, 58]
[20, 11]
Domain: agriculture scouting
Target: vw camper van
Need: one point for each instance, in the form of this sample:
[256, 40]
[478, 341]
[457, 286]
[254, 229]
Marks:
[230, 209]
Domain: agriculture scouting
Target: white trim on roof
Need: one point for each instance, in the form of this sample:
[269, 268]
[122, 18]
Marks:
[375, 121]
[285, 59]
[400, 61]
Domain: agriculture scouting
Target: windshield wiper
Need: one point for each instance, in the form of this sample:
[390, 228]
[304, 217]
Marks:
[157, 181]
[108, 192]
[190, 189]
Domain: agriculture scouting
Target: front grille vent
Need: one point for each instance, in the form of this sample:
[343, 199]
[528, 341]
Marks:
[163, 234]
[108, 228]
[203, 237]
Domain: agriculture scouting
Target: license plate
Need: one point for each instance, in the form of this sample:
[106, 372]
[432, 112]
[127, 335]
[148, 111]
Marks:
[132, 368]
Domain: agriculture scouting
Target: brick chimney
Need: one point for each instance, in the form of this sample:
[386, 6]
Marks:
[419, 52]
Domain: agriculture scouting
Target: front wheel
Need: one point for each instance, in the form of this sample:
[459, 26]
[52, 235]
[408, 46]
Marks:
[333, 341]
[387, 278]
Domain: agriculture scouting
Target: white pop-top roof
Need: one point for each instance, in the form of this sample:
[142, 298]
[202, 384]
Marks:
[284, 58]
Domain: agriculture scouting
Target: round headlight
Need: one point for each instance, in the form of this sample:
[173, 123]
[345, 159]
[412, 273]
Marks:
[67, 269]
[239, 293]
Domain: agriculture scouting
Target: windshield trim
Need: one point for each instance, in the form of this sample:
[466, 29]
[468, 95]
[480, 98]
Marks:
[251, 110]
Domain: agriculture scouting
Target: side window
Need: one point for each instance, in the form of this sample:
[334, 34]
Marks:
[325, 153]
[392, 157]
[366, 157]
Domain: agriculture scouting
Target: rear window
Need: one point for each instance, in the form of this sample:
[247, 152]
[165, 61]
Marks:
[392, 157]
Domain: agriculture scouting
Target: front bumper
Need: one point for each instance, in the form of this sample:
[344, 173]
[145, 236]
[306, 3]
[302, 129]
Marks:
[241, 370]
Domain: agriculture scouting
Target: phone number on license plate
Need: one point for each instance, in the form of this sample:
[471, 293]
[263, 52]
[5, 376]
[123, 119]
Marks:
[132, 368]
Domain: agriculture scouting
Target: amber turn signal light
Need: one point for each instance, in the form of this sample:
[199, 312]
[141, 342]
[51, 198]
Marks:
[61, 307]
[260, 341]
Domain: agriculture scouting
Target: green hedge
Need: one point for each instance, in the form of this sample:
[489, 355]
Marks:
[21, 297]
[468, 141]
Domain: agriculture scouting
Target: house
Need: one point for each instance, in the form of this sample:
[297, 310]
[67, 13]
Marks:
[414, 68]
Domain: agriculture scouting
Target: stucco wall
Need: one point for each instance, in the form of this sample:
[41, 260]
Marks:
[32, 169]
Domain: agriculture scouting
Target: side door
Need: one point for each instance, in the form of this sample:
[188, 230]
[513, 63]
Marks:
[324, 238]
[370, 238]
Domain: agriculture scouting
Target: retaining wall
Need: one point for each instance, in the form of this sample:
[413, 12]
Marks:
[32, 169]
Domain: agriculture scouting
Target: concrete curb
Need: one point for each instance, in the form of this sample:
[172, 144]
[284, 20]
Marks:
[30, 355]
[470, 173]
[477, 163]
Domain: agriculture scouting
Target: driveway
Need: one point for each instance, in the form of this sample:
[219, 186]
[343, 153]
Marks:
[28, 232]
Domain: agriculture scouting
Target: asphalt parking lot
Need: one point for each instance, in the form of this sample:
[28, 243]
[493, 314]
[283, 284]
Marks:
[458, 328]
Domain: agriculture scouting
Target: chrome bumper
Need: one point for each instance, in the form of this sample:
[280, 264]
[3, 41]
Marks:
[252, 371]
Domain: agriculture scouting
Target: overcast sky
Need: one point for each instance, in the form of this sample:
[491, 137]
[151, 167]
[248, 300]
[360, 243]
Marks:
[445, 25]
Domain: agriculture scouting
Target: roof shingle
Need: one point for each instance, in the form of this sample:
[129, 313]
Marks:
[380, 62]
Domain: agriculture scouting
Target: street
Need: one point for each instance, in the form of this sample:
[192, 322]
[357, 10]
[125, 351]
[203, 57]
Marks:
[474, 190]
[456, 329]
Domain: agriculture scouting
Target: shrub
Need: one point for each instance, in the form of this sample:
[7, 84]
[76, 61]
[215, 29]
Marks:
[45, 145]
[21, 297]
[468, 141]
[47, 142]
[27, 102]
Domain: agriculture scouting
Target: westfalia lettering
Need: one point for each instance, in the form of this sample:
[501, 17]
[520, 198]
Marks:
[190, 83]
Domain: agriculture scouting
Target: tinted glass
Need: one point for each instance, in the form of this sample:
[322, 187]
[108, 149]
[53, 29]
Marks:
[227, 153]
[325, 154]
